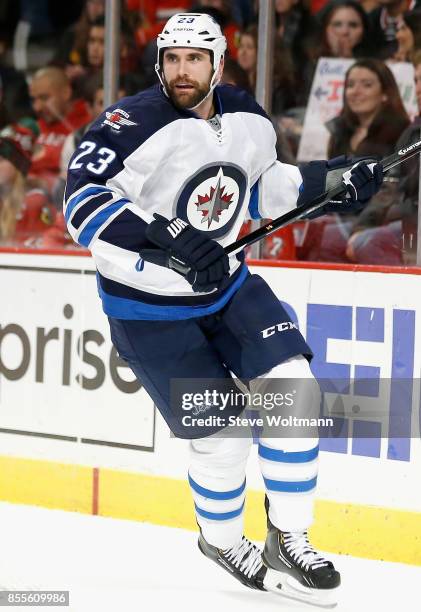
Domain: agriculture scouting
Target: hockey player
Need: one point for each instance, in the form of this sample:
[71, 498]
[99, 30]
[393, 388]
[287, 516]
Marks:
[159, 185]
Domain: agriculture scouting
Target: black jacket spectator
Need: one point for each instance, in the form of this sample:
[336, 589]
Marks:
[373, 116]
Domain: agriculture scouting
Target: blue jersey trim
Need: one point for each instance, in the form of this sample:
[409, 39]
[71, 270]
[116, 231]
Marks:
[219, 516]
[216, 494]
[254, 202]
[94, 224]
[273, 454]
[283, 486]
[74, 201]
[127, 232]
[89, 207]
[123, 308]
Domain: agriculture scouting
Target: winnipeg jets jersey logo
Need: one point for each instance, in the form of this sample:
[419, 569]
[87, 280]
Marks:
[212, 198]
[212, 205]
[117, 118]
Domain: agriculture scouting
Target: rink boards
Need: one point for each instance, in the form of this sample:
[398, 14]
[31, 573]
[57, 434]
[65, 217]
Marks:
[77, 432]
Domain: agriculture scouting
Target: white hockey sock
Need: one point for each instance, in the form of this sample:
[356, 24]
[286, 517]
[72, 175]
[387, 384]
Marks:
[217, 481]
[288, 455]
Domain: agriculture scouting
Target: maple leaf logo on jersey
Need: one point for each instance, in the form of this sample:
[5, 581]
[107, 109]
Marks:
[117, 119]
[212, 205]
[212, 198]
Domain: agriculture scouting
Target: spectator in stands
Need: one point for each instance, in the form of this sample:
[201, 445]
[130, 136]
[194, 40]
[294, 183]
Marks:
[384, 23]
[283, 93]
[408, 36]
[386, 231]
[376, 235]
[74, 41]
[373, 116]
[344, 31]
[58, 115]
[14, 95]
[25, 211]
[294, 26]
[407, 177]
[372, 119]
[247, 54]
[235, 75]
[93, 58]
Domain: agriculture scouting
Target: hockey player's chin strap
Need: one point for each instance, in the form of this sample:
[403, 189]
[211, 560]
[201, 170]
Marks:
[214, 82]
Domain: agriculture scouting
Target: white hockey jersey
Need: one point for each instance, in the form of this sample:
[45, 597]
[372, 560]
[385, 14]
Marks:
[143, 156]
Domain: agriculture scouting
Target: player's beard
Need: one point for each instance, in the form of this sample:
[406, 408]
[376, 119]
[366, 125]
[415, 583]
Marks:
[188, 99]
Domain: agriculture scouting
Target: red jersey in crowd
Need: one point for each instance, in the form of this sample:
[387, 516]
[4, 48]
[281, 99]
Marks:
[57, 236]
[46, 157]
[35, 217]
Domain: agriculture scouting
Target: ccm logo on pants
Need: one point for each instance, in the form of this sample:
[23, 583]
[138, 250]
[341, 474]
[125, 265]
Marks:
[279, 327]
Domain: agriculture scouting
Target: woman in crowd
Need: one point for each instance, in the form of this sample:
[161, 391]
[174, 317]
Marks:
[389, 232]
[74, 41]
[343, 32]
[25, 212]
[284, 91]
[372, 119]
[408, 37]
[373, 116]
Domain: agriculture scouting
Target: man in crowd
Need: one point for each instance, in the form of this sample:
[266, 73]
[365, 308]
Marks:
[58, 115]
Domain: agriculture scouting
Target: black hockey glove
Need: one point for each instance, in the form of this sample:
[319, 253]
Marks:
[362, 178]
[186, 250]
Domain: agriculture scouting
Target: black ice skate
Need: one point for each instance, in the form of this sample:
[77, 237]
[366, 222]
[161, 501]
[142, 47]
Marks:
[243, 561]
[295, 570]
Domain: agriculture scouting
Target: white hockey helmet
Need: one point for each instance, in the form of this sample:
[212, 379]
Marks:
[196, 30]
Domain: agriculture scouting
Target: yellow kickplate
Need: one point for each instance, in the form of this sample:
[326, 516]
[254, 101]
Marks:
[363, 531]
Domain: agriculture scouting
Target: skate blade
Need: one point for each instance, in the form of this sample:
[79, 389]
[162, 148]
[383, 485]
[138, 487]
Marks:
[285, 585]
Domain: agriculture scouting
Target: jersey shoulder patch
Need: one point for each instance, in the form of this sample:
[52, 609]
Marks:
[135, 119]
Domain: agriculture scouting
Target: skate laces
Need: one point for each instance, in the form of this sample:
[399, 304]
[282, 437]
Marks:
[245, 556]
[300, 549]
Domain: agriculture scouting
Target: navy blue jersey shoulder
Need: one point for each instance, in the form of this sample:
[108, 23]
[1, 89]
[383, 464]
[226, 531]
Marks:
[150, 110]
[235, 100]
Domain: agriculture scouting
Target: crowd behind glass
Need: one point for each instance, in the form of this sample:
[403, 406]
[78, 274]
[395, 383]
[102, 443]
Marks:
[48, 103]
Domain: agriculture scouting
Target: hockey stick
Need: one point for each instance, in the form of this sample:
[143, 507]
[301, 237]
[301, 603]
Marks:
[336, 192]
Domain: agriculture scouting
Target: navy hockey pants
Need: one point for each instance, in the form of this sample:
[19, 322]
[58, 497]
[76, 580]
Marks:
[230, 340]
